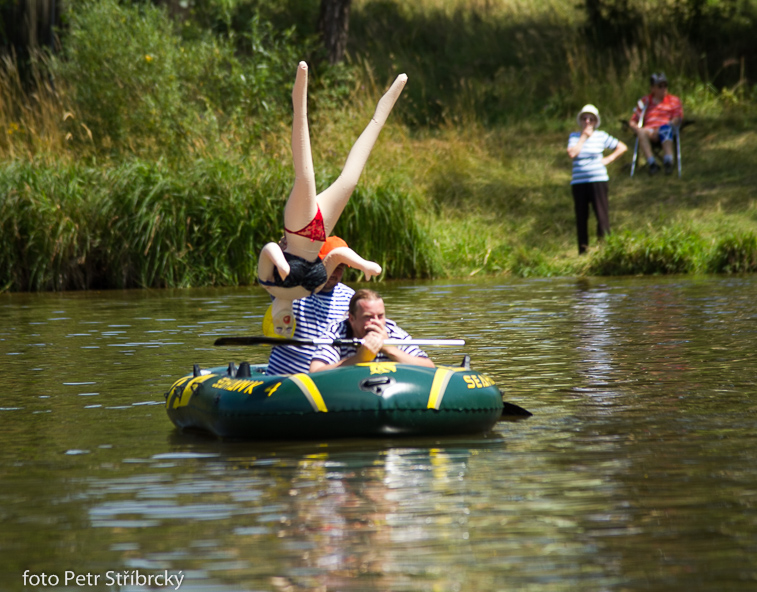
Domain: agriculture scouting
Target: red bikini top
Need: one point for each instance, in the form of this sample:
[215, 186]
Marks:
[315, 231]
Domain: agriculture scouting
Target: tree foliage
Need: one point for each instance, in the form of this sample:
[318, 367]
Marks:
[719, 33]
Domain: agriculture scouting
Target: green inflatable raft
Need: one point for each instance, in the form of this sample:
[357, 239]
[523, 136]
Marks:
[365, 400]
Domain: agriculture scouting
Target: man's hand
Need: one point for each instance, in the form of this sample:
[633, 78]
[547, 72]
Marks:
[374, 338]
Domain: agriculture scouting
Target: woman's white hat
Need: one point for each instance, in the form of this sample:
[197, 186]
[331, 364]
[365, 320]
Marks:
[589, 109]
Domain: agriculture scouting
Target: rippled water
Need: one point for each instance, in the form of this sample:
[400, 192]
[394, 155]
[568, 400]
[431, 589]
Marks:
[638, 470]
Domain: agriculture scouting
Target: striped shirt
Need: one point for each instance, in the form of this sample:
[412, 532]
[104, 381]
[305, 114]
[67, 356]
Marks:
[587, 166]
[658, 114]
[331, 355]
[313, 316]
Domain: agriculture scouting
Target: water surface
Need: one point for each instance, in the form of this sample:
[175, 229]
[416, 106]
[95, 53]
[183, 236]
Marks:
[638, 470]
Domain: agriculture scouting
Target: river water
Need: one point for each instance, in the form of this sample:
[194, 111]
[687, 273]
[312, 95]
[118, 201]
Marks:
[637, 471]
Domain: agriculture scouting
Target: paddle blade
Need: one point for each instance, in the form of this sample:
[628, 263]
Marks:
[512, 412]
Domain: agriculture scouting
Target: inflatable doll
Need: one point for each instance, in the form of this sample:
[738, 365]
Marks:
[292, 269]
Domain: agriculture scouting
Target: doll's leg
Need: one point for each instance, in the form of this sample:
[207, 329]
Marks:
[301, 206]
[333, 199]
[351, 258]
[270, 256]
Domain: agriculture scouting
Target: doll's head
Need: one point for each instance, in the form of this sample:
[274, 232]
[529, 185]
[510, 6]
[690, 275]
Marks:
[282, 317]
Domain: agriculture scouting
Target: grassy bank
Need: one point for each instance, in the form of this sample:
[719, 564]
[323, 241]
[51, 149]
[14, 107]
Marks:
[173, 170]
[502, 204]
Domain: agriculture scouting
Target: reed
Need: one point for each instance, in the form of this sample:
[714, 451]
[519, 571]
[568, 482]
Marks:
[143, 224]
[45, 234]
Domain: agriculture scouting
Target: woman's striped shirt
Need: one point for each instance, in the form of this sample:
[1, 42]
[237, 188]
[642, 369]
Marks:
[587, 166]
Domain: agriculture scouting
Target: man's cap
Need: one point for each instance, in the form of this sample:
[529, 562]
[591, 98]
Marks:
[330, 244]
[657, 78]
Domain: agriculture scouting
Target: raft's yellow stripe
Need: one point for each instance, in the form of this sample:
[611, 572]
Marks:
[441, 380]
[189, 390]
[308, 388]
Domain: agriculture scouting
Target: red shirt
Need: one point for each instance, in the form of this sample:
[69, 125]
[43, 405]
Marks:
[658, 114]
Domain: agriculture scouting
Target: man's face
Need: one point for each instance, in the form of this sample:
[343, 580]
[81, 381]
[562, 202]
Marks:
[369, 316]
[335, 278]
[660, 89]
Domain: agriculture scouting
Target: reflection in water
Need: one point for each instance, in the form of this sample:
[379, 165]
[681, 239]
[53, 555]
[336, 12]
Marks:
[596, 340]
[637, 470]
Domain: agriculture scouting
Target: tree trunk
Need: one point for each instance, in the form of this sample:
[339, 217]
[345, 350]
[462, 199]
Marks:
[28, 24]
[333, 24]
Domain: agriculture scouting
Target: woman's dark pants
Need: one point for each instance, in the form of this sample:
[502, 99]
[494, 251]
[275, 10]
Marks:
[596, 195]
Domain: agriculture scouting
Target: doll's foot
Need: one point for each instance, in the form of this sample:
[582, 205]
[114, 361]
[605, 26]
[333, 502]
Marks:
[299, 92]
[371, 269]
[387, 102]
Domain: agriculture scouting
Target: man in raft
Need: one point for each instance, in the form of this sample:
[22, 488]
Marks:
[297, 271]
[367, 321]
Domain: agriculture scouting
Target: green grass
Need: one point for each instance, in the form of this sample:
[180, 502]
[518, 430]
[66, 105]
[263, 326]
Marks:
[502, 204]
[173, 169]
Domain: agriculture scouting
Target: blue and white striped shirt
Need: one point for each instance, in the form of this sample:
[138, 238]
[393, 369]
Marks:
[587, 166]
[313, 316]
[331, 355]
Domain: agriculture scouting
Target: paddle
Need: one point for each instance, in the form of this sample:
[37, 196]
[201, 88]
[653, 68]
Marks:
[511, 411]
[263, 340]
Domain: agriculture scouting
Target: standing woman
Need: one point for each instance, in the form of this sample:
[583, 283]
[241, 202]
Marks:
[589, 182]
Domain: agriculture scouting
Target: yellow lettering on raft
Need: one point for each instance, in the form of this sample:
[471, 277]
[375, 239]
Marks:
[478, 381]
[234, 385]
[272, 389]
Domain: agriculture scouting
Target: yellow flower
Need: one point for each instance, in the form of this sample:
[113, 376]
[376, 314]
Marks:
[148, 58]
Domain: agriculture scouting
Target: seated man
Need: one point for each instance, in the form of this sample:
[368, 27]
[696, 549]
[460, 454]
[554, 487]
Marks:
[367, 320]
[653, 120]
[313, 316]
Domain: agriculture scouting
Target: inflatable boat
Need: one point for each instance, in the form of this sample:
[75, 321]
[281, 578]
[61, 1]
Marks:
[365, 400]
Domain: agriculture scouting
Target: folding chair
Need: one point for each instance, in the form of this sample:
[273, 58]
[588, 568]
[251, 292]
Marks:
[657, 146]
[636, 144]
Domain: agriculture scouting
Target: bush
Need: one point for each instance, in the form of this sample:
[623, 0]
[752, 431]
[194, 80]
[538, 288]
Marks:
[137, 86]
[736, 253]
[670, 250]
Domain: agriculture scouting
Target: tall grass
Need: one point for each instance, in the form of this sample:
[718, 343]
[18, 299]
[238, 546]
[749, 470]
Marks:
[31, 121]
[142, 224]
